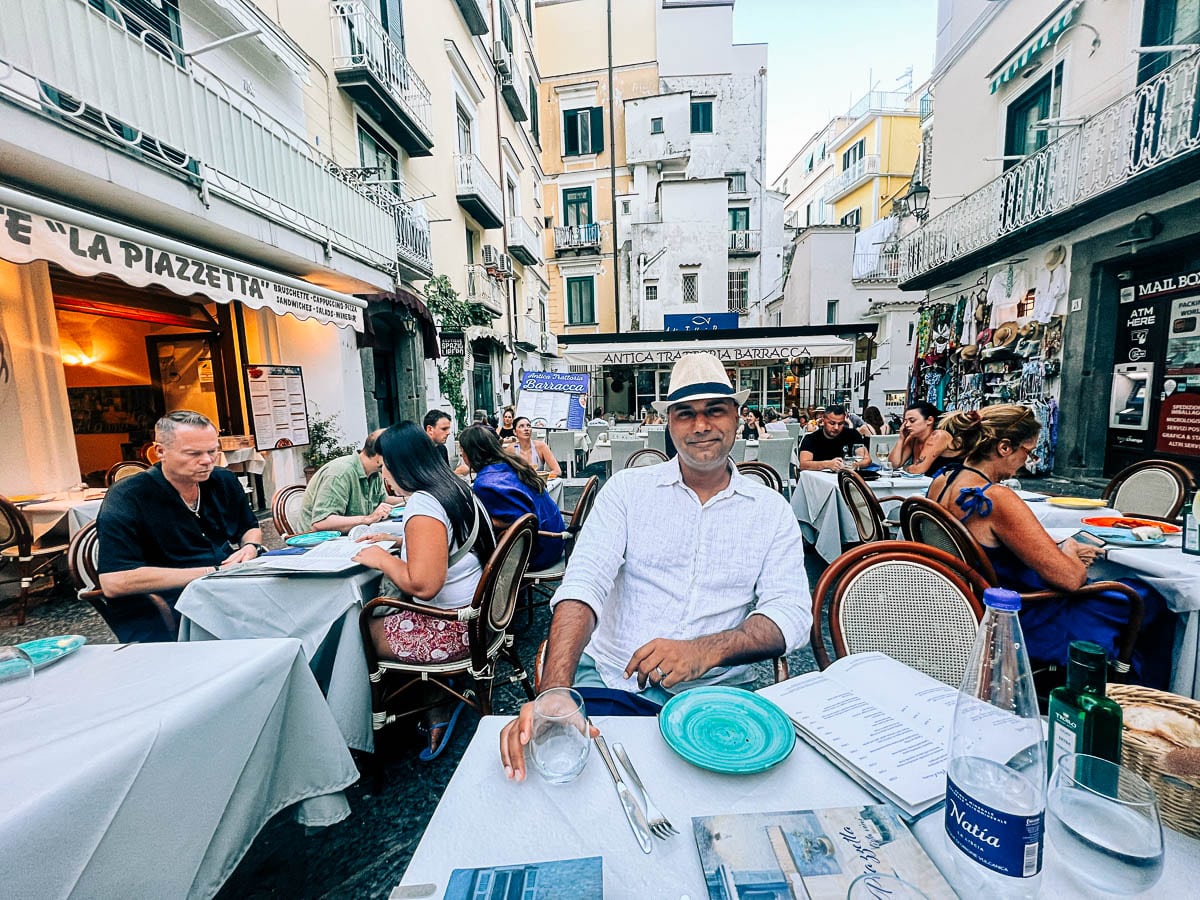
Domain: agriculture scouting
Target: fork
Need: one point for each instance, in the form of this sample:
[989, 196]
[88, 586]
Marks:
[660, 826]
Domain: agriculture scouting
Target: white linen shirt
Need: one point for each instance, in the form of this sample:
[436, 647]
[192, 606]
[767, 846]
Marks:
[652, 562]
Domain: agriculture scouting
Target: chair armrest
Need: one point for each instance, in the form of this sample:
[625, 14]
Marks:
[1128, 634]
[562, 535]
[451, 615]
[890, 498]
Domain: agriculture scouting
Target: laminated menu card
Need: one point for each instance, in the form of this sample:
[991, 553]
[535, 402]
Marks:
[813, 853]
[576, 878]
[886, 725]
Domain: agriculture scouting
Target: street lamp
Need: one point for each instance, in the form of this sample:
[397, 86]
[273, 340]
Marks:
[916, 201]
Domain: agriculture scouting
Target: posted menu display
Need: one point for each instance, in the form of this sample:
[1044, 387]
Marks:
[277, 406]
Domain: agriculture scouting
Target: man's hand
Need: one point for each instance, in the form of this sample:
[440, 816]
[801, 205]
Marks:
[373, 557]
[245, 553]
[381, 512]
[381, 536]
[513, 738]
[665, 662]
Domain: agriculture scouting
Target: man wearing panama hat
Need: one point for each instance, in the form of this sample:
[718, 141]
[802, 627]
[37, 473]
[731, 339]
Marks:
[685, 571]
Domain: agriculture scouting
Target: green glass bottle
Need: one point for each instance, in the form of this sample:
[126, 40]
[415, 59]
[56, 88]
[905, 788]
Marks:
[1082, 718]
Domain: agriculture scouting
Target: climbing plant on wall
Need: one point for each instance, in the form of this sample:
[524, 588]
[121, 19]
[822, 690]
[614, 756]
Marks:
[453, 314]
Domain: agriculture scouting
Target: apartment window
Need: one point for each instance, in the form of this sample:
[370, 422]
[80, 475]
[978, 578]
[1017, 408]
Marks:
[577, 206]
[162, 17]
[808, 164]
[702, 117]
[581, 301]
[651, 292]
[470, 247]
[821, 153]
[739, 218]
[506, 27]
[375, 153]
[912, 327]
[624, 207]
[691, 287]
[656, 126]
[737, 182]
[510, 189]
[852, 218]
[831, 312]
[1021, 137]
[738, 284]
[391, 16]
[465, 144]
[854, 154]
[1166, 23]
[583, 131]
[535, 127]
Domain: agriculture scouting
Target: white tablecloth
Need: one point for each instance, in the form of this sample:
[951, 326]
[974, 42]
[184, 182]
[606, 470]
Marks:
[148, 771]
[825, 519]
[77, 507]
[243, 459]
[584, 818]
[322, 611]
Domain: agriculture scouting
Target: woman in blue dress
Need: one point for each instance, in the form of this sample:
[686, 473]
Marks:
[509, 487]
[996, 442]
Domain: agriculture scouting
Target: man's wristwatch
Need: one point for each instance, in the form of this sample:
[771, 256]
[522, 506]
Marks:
[258, 547]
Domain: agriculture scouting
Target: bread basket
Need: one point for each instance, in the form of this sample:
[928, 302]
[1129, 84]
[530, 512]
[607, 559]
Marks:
[1178, 796]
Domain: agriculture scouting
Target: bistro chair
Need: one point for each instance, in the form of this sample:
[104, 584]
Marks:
[763, 473]
[596, 433]
[83, 559]
[562, 445]
[738, 453]
[124, 469]
[865, 507]
[645, 457]
[531, 581]
[285, 509]
[31, 559]
[1154, 488]
[622, 450]
[776, 452]
[488, 618]
[927, 524]
[656, 438]
[915, 603]
[116, 624]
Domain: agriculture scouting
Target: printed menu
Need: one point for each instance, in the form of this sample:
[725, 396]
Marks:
[277, 405]
[886, 725]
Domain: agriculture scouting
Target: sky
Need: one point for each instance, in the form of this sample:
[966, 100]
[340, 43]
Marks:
[823, 55]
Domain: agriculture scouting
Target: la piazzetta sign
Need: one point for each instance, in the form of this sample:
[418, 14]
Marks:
[25, 237]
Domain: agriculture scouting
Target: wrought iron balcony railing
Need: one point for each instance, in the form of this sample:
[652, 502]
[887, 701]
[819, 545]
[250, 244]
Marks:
[477, 190]
[878, 265]
[745, 242]
[483, 289]
[1148, 128]
[577, 237]
[108, 75]
[524, 241]
[848, 179]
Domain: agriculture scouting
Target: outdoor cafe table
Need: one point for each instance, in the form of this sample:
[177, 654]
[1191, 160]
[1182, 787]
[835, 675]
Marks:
[147, 770]
[546, 822]
[47, 512]
[320, 610]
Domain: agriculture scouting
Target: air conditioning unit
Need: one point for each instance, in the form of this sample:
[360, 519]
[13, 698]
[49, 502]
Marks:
[502, 58]
[491, 259]
[504, 266]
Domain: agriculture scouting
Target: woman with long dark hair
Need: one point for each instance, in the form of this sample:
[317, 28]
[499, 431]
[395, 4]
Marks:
[536, 453]
[506, 431]
[509, 487]
[873, 423]
[923, 448]
[446, 538]
[751, 425]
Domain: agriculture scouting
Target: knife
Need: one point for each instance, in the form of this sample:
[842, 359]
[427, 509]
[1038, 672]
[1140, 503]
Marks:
[633, 812]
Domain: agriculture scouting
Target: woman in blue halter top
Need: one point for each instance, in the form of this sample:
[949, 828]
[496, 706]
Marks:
[996, 442]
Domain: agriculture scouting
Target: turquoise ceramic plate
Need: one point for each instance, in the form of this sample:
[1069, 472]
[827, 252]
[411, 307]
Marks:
[397, 512]
[1121, 537]
[312, 538]
[44, 651]
[727, 730]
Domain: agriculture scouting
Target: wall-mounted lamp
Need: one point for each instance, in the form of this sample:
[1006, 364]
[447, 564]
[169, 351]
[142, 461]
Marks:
[916, 201]
[1144, 228]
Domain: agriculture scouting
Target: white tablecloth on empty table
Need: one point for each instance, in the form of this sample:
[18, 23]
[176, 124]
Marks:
[584, 818]
[322, 611]
[243, 459]
[147, 771]
[825, 520]
[1052, 516]
[48, 511]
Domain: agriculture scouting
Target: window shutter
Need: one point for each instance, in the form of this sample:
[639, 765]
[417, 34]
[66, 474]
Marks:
[571, 132]
[597, 129]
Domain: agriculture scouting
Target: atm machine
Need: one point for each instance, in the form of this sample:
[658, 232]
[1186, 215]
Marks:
[1129, 399]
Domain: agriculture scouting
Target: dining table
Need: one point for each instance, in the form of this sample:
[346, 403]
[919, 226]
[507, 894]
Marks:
[147, 770]
[62, 512]
[583, 818]
[321, 611]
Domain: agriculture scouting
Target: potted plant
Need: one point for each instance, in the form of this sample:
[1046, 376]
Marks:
[324, 443]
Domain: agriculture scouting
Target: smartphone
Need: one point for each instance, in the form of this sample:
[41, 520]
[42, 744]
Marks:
[1086, 537]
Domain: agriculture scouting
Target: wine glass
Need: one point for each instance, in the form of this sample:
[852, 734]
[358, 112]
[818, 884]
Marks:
[876, 886]
[883, 458]
[561, 737]
[1104, 822]
[16, 678]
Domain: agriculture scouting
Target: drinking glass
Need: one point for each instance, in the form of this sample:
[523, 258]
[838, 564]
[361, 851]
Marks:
[882, 456]
[874, 886]
[561, 737]
[16, 678]
[1103, 820]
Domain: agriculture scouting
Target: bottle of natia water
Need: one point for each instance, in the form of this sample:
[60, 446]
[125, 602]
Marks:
[996, 771]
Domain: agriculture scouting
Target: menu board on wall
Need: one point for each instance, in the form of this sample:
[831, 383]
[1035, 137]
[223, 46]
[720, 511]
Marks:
[277, 406]
[553, 399]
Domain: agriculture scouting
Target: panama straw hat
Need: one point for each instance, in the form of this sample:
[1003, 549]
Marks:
[1055, 256]
[969, 351]
[699, 376]
[1005, 335]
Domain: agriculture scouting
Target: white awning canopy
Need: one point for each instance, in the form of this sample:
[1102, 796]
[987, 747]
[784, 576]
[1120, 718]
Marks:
[32, 228]
[767, 350]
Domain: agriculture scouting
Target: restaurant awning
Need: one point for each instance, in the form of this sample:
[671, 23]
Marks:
[1044, 37]
[33, 228]
[727, 345]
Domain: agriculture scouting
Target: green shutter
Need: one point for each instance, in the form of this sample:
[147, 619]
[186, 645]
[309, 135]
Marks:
[571, 133]
[597, 129]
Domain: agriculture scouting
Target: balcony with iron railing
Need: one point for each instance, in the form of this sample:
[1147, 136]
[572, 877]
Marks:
[477, 190]
[859, 172]
[879, 265]
[880, 101]
[515, 89]
[483, 289]
[524, 241]
[577, 239]
[1128, 151]
[529, 330]
[745, 243]
[372, 69]
[414, 250]
[135, 91]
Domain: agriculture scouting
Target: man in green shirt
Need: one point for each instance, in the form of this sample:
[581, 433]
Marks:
[348, 491]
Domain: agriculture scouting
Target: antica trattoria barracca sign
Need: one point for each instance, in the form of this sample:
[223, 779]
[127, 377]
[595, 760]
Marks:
[579, 354]
[25, 237]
